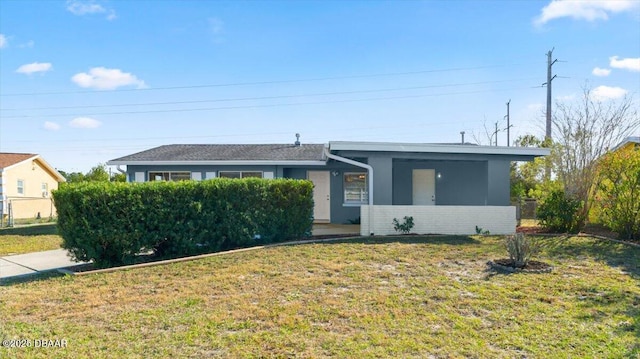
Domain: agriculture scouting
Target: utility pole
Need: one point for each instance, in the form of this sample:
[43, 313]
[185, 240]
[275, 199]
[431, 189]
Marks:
[496, 134]
[508, 125]
[547, 137]
[548, 84]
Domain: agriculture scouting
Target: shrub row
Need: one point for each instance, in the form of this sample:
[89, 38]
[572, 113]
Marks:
[111, 223]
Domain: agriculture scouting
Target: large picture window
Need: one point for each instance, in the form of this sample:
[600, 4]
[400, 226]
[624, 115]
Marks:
[240, 174]
[356, 190]
[169, 176]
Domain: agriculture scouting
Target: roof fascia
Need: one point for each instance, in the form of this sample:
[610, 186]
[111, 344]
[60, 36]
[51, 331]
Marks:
[44, 164]
[626, 141]
[217, 163]
[435, 148]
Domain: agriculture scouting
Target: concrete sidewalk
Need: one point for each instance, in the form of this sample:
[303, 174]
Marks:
[32, 263]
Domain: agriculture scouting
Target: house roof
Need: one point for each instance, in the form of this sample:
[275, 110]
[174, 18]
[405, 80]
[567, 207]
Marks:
[437, 148]
[631, 139]
[306, 154]
[8, 160]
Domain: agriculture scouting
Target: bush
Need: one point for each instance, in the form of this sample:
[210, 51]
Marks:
[617, 202]
[520, 249]
[404, 227]
[559, 213]
[111, 223]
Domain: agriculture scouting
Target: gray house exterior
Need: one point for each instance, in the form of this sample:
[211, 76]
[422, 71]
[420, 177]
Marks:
[356, 180]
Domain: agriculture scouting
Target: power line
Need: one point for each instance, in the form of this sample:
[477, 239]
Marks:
[262, 82]
[259, 106]
[163, 103]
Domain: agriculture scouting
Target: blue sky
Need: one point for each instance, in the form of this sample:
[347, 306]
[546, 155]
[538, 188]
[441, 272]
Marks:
[84, 82]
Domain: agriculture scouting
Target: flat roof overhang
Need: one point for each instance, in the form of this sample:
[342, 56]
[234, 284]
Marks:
[437, 148]
[218, 163]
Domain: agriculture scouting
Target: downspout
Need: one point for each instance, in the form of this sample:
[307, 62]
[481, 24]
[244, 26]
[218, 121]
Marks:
[369, 177]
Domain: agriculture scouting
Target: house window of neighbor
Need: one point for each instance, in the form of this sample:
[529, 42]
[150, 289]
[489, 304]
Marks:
[169, 176]
[240, 174]
[21, 187]
[45, 189]
[355, 188]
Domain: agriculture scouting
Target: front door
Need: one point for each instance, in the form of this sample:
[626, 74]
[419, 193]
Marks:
[424, 187]
[321, 195]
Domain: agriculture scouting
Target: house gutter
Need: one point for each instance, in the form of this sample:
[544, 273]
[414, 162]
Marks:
[369, 178]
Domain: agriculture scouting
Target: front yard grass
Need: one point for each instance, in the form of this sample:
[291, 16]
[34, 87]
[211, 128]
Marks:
[412, 296]
[29, 239]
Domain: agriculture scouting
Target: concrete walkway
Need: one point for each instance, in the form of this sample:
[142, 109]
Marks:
[32, 263]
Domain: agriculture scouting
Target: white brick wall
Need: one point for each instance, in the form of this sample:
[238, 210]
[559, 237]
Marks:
[439, 219]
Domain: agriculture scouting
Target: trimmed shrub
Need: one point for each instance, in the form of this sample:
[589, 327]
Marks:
[111, 223]
[559, 213]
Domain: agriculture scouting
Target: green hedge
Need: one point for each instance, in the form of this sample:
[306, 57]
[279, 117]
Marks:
[111, 223]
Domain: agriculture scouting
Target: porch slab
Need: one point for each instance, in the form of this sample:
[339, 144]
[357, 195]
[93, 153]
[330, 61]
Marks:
[321, 229]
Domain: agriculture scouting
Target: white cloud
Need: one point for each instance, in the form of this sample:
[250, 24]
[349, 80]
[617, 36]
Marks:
[27, 45]
[3, 41]
[589, 10]
[85, 122]
[34, 67]
[106, 79]
[51, 126]
[631, 64]
[607, 93]
[601, 72]
[90, 7]
[216, 29]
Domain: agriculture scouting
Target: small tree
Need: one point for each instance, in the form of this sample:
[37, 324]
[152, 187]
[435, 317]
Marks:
[618, 192]
[584, 131]
[97, 174]
[527, 176]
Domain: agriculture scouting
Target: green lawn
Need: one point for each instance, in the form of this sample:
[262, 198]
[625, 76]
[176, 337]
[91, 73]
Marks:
[420, 297]
[20, 240]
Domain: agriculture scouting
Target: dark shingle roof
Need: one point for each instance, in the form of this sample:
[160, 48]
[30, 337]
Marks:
[229, 152]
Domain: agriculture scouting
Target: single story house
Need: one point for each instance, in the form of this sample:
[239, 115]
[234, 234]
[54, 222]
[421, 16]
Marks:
[447, 188]
[26, 182]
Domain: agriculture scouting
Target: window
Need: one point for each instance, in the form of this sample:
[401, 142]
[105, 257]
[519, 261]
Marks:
[240, 174]
[169, 176]
[356, 188]
[21, 187]
[45, 189]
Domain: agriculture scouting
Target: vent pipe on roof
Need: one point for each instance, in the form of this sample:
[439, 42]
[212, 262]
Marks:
[462, 133]
[297, 143]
